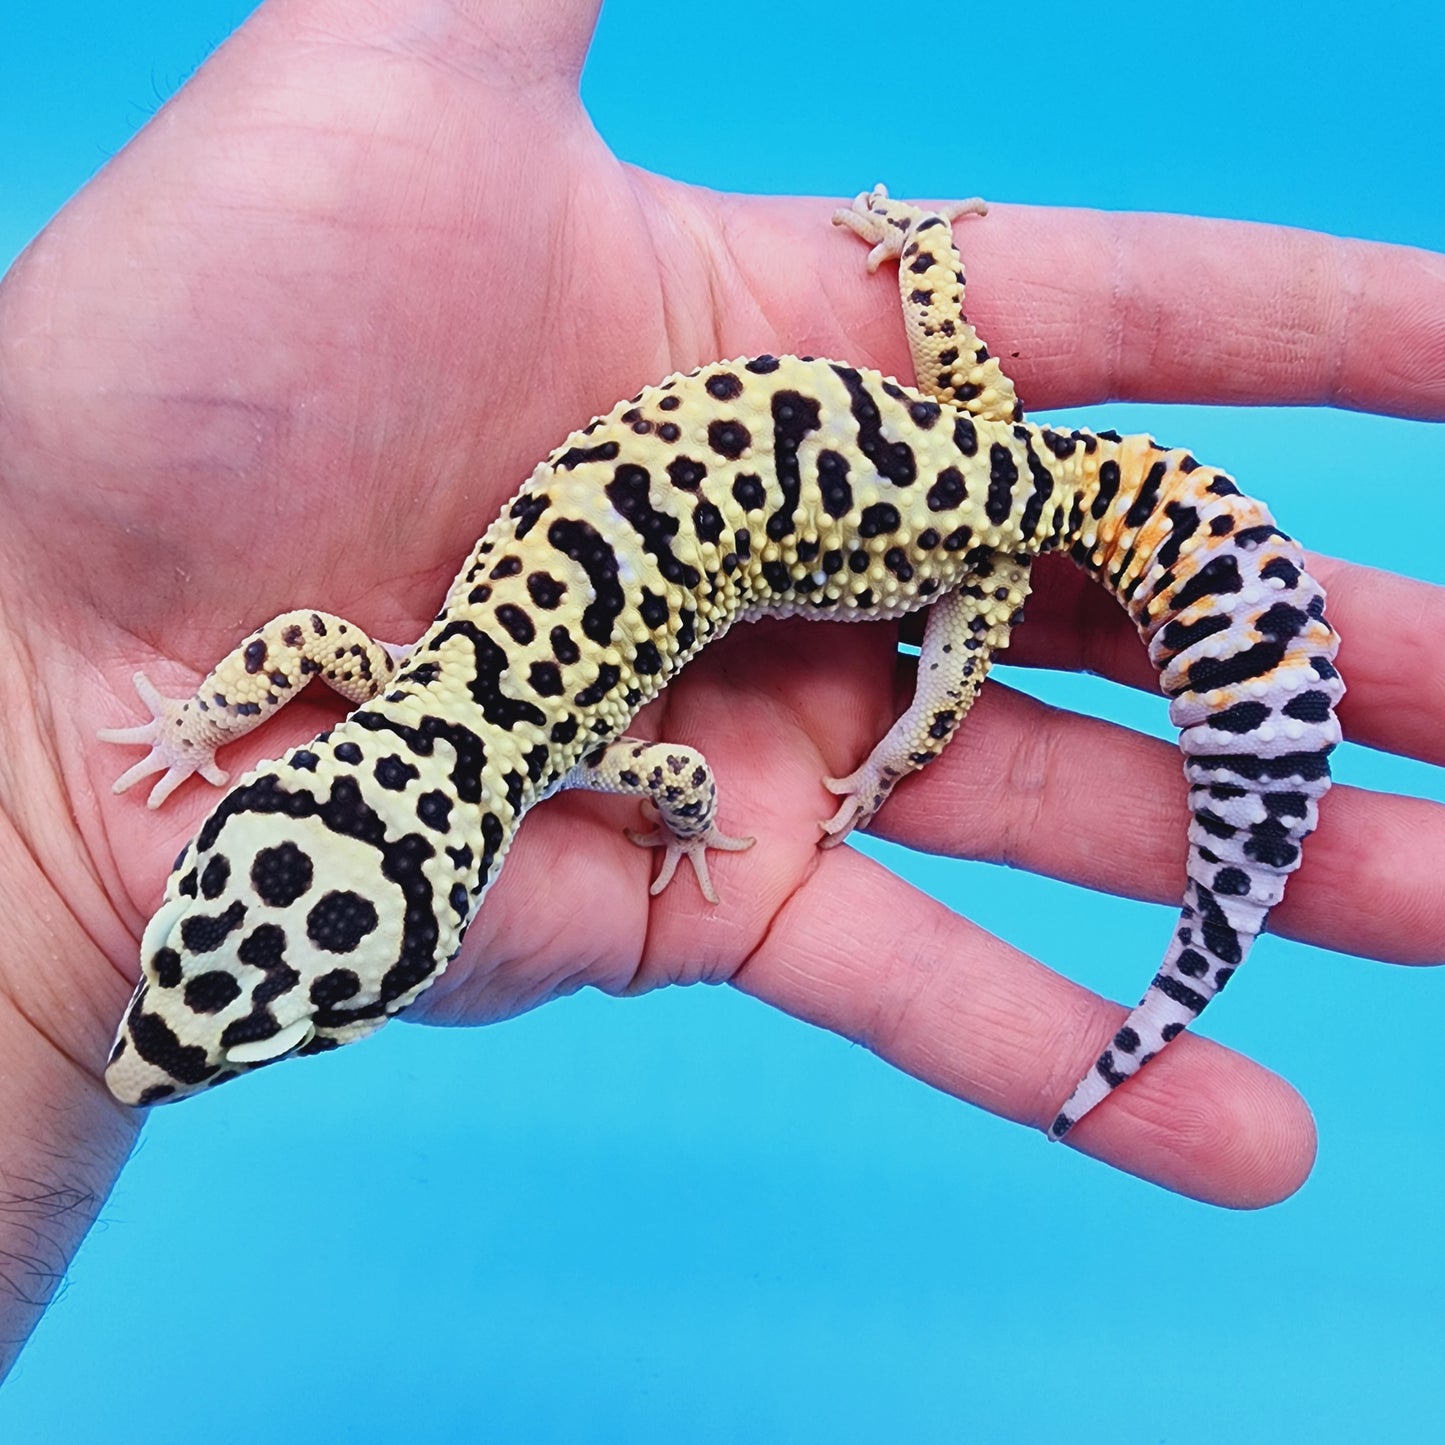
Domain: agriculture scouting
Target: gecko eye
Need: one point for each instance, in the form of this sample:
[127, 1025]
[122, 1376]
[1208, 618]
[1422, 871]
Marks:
[263, 1050]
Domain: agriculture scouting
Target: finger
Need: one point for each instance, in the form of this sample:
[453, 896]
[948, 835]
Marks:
[1091, 306]
[861, 953]
[1092, 803]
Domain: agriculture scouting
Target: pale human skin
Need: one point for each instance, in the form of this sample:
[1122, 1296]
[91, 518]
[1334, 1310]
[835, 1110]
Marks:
[297, 344]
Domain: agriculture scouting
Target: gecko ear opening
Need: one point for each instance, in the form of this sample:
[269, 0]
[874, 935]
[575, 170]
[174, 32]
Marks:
[263, 1050]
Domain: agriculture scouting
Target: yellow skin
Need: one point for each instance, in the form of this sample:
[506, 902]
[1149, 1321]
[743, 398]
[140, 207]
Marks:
[286, 348]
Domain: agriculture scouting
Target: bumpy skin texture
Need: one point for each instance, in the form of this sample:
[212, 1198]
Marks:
[328, 889]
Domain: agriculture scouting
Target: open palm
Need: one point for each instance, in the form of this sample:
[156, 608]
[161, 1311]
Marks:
[297, 345]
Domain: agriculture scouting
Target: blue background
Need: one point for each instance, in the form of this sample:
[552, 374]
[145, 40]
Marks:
[686, 1217]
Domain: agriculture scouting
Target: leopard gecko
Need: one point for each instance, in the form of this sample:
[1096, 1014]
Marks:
[329, 888]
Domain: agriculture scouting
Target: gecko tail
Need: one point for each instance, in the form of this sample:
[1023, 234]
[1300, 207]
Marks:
[1187, 979]
[1235, 625]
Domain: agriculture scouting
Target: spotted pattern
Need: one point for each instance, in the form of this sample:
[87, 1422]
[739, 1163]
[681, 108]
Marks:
[330, 887]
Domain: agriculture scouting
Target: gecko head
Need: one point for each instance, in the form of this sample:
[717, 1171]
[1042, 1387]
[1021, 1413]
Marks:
[293, 924]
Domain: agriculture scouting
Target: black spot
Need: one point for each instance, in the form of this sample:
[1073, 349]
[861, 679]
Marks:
[707, 522]
[1221, 526]
[1108, 488]
[460, 901]
[1184, 522]
[1147, 497]
[896, 561]
[728, 438]
[723, 386]
[585, 546]
[1126, 1041]
[157, 1044]
[777, 576]
[948, 491]
[629, 492]
[893, 460]
[1253, 536]
[340, 920]
[1233, 882]
[748, 492]
[1175, 637]
[965, 436]
[215, 876]
[686, 630]
[1282, 622]
[564, 646]
[348, 753]
[1180, 993]
[837, 494]
[156, 1093]
[1281, 569]
[545, 679]
[958, 539]
[1215, 672]
[518, 625]
[167, 967]
[209, 993]
[924, 414]
[1003, 476]
[576, 456]
[761, 365]
[608, 677]
[685, 473]
[545, 590]
[264, 947]
[794, 417]
[653, 609]
[1243, 717]
[526, 509]
[879, 519]
[1043, 489]
[1217, 578]
[1310, 707]
[254, 656]
[204, 933]
[335, 987]
[1192, 963]
[395, 774]
[435, 810]
[507, 567]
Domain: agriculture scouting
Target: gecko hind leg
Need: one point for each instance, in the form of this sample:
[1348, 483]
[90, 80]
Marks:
[960, 638]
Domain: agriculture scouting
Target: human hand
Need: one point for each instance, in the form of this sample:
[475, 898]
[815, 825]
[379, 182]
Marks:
[300, 342]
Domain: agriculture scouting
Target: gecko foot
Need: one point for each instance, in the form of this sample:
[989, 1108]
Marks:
[694, 849]
[173, 751]
[885, 223]
[863, 791]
